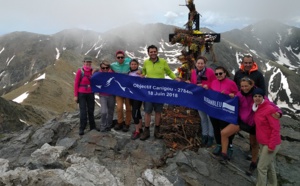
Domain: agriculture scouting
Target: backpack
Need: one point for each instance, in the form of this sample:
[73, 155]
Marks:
[82, 75]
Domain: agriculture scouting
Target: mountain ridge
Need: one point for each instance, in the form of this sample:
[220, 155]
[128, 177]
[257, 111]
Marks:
[36, 54]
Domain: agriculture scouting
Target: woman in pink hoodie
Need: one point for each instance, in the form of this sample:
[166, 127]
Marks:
[84, 96]
[224, 131]
[203, 76]
[268, 137]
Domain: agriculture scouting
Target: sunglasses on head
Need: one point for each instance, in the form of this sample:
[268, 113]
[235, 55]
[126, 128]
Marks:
[120, 57]
[219, 74]
[103, 68]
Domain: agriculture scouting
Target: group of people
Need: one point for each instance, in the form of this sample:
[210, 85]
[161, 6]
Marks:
[154, 67]
[257, 115]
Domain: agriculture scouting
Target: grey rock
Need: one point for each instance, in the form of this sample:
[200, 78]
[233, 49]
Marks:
[4, 164]
[66, 142]
[47, 156]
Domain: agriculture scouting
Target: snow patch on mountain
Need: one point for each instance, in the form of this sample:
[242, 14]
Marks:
[9, 60]
[57, 54]
[21, 98]
[282, 59]
[43, 76]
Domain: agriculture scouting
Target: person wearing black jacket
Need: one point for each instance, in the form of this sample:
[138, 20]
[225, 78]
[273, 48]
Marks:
[249, 69]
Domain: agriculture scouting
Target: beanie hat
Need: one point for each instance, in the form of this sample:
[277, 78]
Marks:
[120, 52]
[87, 58]
[258, 91]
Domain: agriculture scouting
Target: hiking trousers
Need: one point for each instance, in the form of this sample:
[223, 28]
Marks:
[120, 101]
[266, 167]
[107, 111]
[86, 106]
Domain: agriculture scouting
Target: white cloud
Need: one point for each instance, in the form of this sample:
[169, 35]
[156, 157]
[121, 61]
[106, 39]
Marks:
[51, 16]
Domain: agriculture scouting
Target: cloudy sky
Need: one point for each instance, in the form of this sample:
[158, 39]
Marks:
[51, 16]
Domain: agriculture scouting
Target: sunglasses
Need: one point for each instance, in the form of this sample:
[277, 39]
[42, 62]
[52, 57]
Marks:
[120, 57]
[103, 68]
[219, 74]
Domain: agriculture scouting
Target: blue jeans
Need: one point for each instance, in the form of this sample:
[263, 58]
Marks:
[207, 128]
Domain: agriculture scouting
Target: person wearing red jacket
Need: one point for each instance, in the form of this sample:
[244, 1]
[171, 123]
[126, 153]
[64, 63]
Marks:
[203, 76]
[268, 137]
[84, 96]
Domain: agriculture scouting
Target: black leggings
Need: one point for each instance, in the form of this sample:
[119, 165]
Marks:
[136, 110]
[218, 125]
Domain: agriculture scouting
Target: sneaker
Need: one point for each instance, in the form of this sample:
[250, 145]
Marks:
[229, 152]
[217, 150]
[210, 141]
[157, 134]
[204, 140]
[135, 135]
[125, 128]
[141, 131]
[223, 159]
[252, 168]
[145, 135]
[118, 126]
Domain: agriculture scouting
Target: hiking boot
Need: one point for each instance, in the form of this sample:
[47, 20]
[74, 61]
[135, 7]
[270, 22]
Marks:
[204, 140]
[118, 126]
[81, 132]
[146, 134]
[252, 168]
[223, 159]
[114, 123]
[249, 157]
[217, 150]
[157, 135]
[229, 152]
[210, 141]
[135, 135]
[125, 128]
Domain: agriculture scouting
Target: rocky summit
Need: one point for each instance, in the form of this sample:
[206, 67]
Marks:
[54, 154]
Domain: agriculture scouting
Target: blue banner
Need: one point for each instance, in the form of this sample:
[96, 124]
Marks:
[215, 104]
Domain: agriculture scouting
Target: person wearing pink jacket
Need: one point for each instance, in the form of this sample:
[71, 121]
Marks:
[268, 137]
[246, 117]
[224, 131]
[84, 96]
[203, 76]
